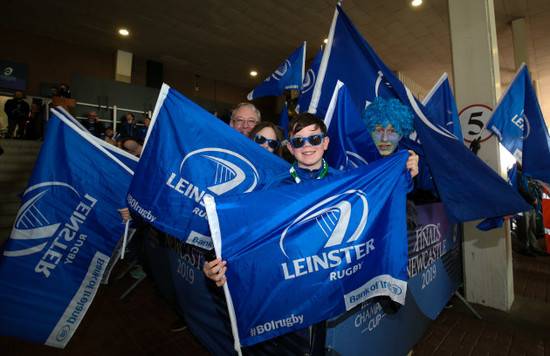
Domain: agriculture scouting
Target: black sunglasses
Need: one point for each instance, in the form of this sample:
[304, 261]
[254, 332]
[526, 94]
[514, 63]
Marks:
[314, 140]
[260, 140]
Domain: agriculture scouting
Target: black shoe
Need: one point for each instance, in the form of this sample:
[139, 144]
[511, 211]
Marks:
[527, 253]
[179, 325]
[540, 253]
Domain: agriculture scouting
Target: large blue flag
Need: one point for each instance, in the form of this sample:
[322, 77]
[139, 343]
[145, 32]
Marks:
[351, 144]
[305, 252]
[441, 103]
[63, 236]
[187, 154]
[469, 189]
[517, 121]
[289, 75]
[310, 78]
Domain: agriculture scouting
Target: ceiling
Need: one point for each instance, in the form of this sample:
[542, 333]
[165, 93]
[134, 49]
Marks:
[224, 40]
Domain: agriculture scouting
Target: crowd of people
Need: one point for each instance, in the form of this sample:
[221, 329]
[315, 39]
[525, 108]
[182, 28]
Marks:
[129, 135]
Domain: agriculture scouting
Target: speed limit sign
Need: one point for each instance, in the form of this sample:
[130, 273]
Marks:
[473, 121]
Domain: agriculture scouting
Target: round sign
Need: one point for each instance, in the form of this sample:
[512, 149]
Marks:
[473, 120]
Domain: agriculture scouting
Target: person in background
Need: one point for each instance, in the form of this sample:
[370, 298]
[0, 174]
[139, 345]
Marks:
[128, 129]
[131, 146]
[64, 91]
[33, 130]
[93, 125]
[245, 117]
[109, 136]
[17, 110]
[527, 224]
[54, 91]
[143, 130]
[269, 136]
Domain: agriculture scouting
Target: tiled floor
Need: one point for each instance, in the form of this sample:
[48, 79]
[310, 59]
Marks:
[139, 324]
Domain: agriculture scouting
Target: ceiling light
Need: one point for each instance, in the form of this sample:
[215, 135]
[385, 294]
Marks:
[326, 40]
[416, 2]
[124, 32]
[253, 73]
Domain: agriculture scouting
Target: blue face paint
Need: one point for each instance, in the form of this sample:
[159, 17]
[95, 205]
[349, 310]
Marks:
[386, 139]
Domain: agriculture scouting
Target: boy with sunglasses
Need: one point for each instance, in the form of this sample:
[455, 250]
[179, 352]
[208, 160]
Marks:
[307, 142]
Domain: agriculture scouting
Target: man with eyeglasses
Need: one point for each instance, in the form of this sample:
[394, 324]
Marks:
[245, 116]
[94, 126]
[389, 121]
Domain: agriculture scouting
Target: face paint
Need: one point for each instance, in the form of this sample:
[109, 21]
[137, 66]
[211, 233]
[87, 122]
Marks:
[386, 139]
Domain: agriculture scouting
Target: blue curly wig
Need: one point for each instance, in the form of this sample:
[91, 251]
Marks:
[389, 111]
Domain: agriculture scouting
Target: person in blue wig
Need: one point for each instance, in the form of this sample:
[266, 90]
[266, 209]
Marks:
[389, 121]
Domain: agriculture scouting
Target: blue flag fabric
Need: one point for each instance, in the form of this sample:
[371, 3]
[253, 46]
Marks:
[349, 59]
[289, 75]
[187, 154]
[305, 252]
[351, 144]
[469, 189]
[441, 103]
[63, 236]
[310, 78]
[518, 123]
[507, 120]
[284, 120]
[126, 158]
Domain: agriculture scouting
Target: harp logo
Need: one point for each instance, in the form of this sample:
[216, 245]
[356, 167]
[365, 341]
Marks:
[225, 170]
[309, 81]
[50, 219]
[35, 223]
[331, 219]
[281, 71]
[214, 169]
[332, 228]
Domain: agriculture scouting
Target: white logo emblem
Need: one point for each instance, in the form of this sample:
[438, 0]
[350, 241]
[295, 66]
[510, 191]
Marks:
[8, 71]
[309, 81]
[32, 222]
[281, 71]
[231, 170]
[355, 160]
[333, 221]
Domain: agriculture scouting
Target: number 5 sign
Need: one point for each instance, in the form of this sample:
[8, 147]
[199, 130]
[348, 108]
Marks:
[473, 120]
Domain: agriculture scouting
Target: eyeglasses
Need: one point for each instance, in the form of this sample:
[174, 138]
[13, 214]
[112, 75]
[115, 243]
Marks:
[241, 122]
[314, 140]
[260, 140]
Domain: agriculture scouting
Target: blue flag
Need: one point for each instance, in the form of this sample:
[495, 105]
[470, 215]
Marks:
[305, 252]
[518, 123]
[441, 103]
[64, 234]
[187, 154]
[306, 90]
[349, 59]
[288, 76]
[284, 120]
[351, 144]
[469, 189]
[507, 120]
[126, 158]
